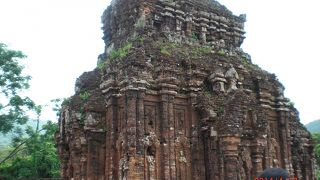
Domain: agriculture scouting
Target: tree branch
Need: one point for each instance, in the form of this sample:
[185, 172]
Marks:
[16, 150]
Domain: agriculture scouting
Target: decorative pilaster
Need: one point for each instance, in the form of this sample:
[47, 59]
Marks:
[257, 158]
[230, 144]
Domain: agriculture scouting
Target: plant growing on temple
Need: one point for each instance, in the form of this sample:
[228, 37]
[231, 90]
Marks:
[199, 51]
[221, 53]
[121, 52]
[165, 51]
[84, 96]
[101, 64]
[194, 37]
[13, 105]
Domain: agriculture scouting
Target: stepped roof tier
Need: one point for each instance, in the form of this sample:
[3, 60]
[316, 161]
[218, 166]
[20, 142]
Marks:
[175, 97]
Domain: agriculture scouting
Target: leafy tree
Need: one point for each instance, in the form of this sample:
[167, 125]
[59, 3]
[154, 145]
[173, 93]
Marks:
[36, 156]
[33, 153]
[316, 139]
[13, 106]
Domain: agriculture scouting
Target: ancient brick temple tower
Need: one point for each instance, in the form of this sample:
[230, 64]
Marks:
[175, 97]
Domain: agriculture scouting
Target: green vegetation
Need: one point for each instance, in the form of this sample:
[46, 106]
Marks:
[33, 157]
[316, 139]
[170, 49]
[291, 104]
[140, 39]
[121, 52]
[82, 117]
[194, 37]
[220, 111]
[5, 139]
[32, 153]
[199, 51]
[84, 96]
[165, 51]
[314, 126]
[221, 53]
[248, 64]
[101, 64]
[245, 61]
[13, 106]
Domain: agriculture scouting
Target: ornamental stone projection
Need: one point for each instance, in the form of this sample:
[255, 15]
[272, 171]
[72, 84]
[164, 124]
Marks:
[175, 97]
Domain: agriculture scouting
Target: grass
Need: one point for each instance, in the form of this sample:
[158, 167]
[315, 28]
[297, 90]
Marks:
[221, 53]
[168, 49]
[199, 51]
[194, 37]
[101, 64]
[116, 54]
[84, 96]
[121, 52]
[165, 51]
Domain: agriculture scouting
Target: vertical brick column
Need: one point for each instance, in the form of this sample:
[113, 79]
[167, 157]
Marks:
[112, 154]
[140, 154]
[171, 136]
[164, 139]
[135, 161]
[284, 128]
[257, 155]
[230, 145]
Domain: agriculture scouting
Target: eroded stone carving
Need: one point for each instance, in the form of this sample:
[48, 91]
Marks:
[159, 110]
[218, 81]
[232, 77]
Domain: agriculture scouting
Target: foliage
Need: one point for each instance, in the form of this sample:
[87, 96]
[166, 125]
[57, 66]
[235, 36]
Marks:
[199, 51]
[221, 53]
[84, 96]
[57, 103]
[248, 64]
[140, 39]
[291, 104]
[164, 51]
[220, 111]
[316, 139]
[13, 106]
[66, 100]
[170, 49]
[101, 64]
[194, 37]
[245, 61]
[37, 156]
[33, 152]
[121, 52]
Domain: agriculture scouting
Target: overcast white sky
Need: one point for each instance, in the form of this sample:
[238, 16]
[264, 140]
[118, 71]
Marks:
[62, 39]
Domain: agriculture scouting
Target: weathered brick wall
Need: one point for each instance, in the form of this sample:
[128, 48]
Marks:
[180, 101]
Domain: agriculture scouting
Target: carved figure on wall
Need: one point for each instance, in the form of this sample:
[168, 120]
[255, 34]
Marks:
[217, 80]
[246, 160]
[203, 37]
[280, 90]
[232, 77]
[273, 153]
[178, 25]
[250, 119]
[221, 43]
[157, 116]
